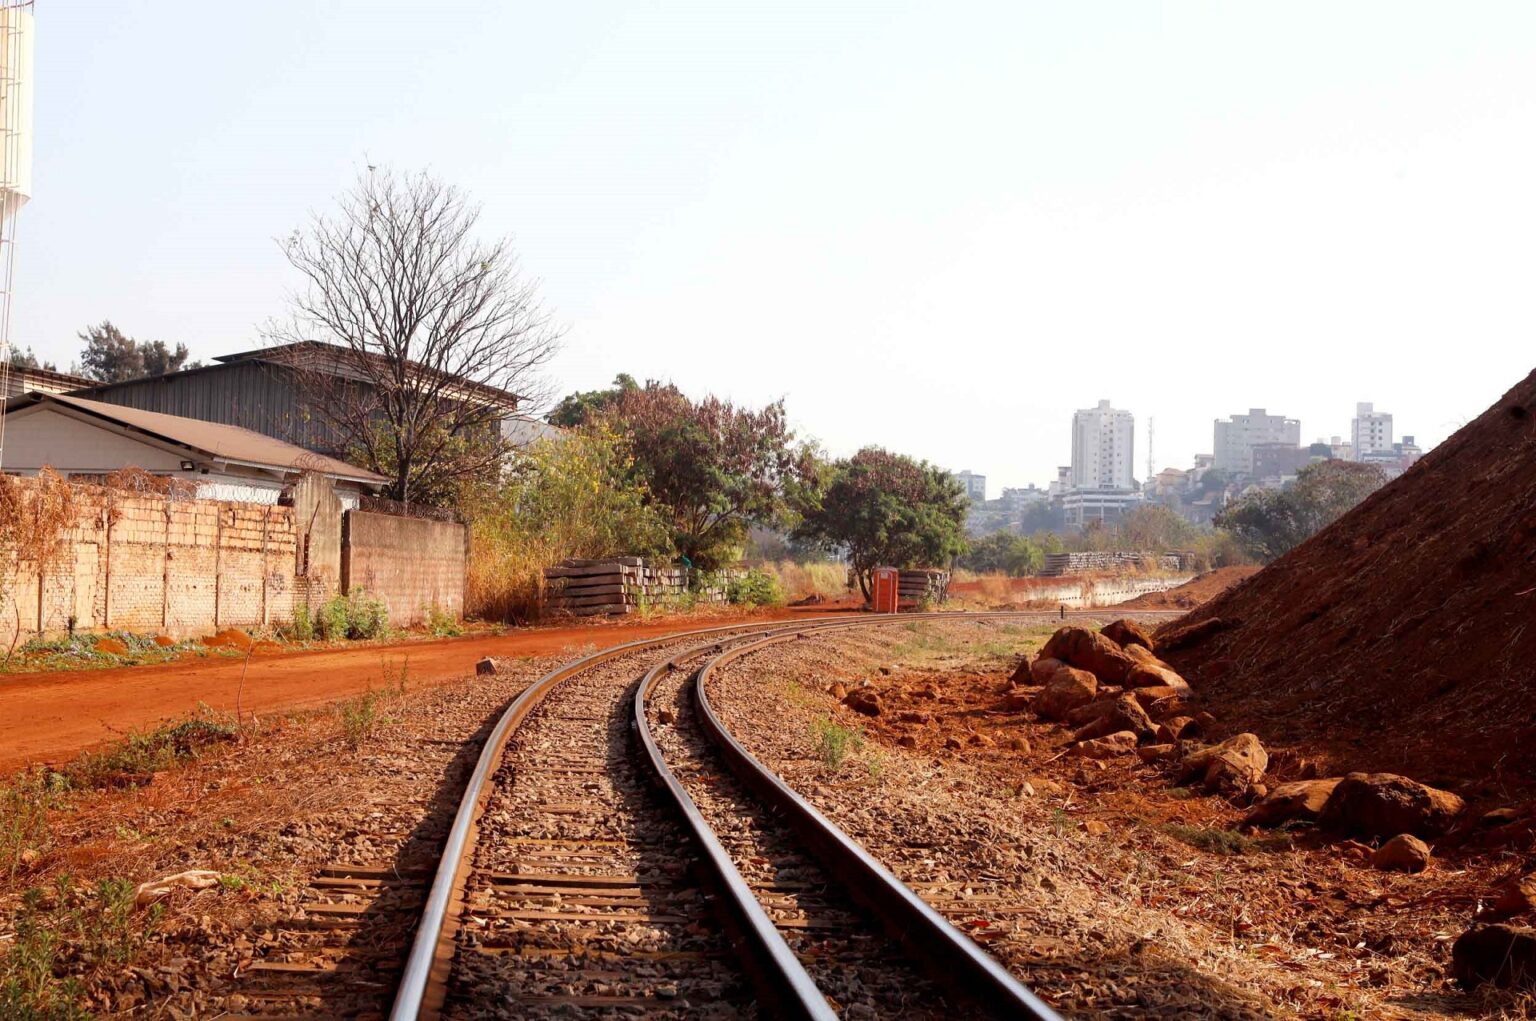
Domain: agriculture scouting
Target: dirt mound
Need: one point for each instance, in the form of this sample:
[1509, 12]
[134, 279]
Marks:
[1193, 592]
[1403, 637]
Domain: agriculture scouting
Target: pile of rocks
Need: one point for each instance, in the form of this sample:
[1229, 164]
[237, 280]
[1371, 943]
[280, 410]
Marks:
[1119, 698]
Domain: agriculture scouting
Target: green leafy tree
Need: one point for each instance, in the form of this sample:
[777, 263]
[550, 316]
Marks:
[885, 509]
[583, 406]
[111, 356]
[714, 469]
[1003, 553]
[1268, 523]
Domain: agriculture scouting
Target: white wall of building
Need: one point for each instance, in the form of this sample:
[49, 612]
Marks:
[1371, 431]
[1103, 448]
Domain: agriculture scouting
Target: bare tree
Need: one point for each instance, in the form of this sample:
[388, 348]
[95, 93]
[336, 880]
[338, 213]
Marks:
[424, 333]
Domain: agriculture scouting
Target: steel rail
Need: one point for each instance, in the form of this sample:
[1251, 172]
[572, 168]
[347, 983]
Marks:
[423, 979]
[780, 977]
[953, 958]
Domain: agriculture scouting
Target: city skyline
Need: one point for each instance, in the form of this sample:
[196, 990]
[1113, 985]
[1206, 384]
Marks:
[1295, 431]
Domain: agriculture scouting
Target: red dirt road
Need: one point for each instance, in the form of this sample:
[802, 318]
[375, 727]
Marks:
[51, 717]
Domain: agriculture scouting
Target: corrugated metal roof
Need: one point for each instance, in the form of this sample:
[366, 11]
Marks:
[213, 439]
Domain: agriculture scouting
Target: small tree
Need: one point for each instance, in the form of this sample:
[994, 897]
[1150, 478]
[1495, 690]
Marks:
[1269, 523]
[886, 509]
[427, 330]
[714, 468]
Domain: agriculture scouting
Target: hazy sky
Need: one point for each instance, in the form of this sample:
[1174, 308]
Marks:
[936, 227]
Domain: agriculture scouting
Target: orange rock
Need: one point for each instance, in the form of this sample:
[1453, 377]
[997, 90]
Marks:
[164, 641]
[111, 647]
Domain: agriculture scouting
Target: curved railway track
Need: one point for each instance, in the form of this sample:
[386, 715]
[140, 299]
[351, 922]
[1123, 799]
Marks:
[616, 850]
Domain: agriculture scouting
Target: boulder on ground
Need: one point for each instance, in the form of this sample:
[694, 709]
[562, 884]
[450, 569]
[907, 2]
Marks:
[863, 701]
[1149, 697]
[1156, 675]
[1090, 711]
[1119, 743]
[486, 667]
[1168, 706]
[1067, 690]
[1175, 729]
[1403, 853]
[1302, 801]
[839, 690]
[1126, 633]
[1016, 700]
[1043, 669]
[1125, 713]
[1233, 766]
[1511, 900]
[1091, 651]
[1158, 752]
[1180, 636]
[1504, 955]
[1383, 805]
[1141, 654]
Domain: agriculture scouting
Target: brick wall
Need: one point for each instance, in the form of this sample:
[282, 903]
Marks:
[151, 564]
[410, 563]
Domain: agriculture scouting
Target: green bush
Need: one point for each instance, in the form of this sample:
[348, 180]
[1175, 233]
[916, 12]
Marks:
[441, 623]
[357, 615]
[834, 743]
[756, 588]
[303, 627]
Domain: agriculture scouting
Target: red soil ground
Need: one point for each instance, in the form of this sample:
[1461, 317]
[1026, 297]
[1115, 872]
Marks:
[1403, 637]
[1192, 593]
[50, 717]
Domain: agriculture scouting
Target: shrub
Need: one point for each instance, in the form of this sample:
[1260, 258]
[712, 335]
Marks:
[834, 743]
[150, 751]
[303, 627]
[356, 615]
[756, 588]
[441, 623]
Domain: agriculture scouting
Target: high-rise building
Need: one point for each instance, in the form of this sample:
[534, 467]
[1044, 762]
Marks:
[1371, 431]
[1103, 442]
[975, 485]
[1239, 434]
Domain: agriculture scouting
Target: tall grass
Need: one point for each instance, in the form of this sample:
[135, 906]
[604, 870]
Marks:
[800, 581]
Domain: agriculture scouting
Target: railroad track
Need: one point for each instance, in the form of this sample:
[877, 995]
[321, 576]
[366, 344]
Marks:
[616, 850]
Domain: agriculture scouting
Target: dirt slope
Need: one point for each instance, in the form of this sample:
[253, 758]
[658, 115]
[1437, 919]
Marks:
[1403, 637]
[1200, 589]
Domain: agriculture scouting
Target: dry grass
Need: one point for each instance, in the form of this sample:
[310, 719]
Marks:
[800, 581]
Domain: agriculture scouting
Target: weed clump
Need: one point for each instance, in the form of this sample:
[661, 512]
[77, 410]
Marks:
[66, 936]
[834, 742]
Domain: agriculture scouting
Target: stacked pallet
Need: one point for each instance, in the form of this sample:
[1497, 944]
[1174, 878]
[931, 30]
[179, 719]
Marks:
[619, 585]
[922, 585]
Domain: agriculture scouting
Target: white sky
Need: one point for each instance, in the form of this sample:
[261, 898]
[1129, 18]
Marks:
[937, 227]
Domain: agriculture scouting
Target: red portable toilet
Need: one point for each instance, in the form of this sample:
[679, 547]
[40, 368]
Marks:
[886, 589]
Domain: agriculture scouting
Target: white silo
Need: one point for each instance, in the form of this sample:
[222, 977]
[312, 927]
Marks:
[16, 37]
